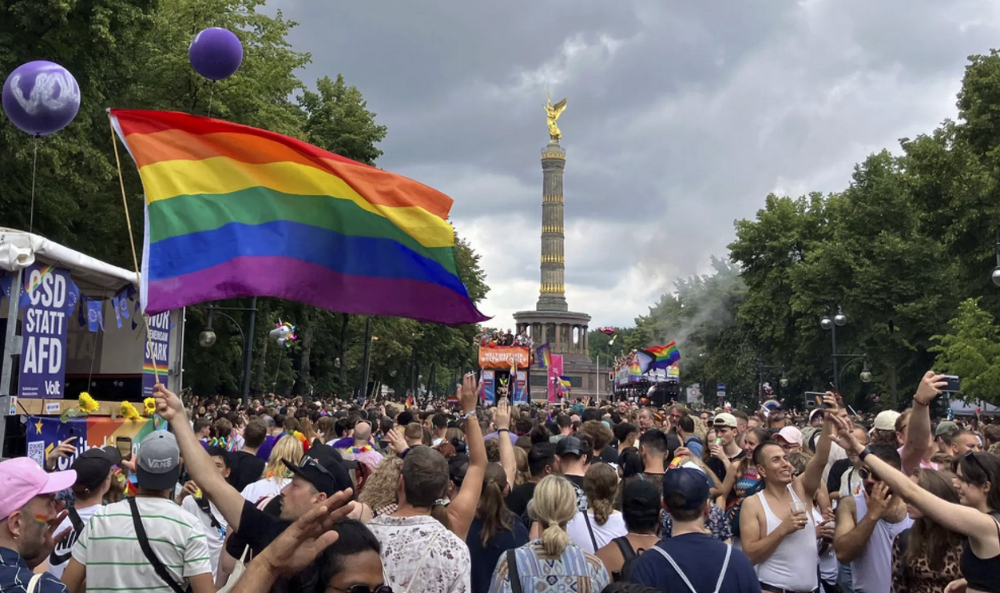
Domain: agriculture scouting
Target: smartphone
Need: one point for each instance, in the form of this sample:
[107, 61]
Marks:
[124, 445]
[954, 384]
[814, 399]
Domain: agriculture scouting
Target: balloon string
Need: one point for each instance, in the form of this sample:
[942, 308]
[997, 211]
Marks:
[211, 97]
[34, 168]
[131, 238]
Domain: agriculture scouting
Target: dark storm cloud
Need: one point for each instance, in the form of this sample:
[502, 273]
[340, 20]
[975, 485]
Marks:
[682, 115]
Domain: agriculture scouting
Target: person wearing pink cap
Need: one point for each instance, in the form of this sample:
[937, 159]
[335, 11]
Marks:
[28, 516]
[790, 439]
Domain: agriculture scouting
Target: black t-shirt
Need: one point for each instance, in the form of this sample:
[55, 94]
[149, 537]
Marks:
[609, 454]
[519, 497]
[836, 473]
[720, 469]
[257, 530]
[244, 468]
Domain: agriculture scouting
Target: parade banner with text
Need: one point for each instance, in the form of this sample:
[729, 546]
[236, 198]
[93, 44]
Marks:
[520, 391]
[49, 295]
[155, 360]
[46, 432]
[501, 357]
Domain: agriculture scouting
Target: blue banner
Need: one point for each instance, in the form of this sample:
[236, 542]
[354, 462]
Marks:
[50, 296]
[489, 387]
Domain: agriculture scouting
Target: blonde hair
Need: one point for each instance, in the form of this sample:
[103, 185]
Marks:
[380, 488]
[287, 447]
[553, 505]
[600, 484]
[523, 472]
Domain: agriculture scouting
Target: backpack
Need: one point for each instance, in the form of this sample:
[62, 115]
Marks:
[733, 510]
[625, 573]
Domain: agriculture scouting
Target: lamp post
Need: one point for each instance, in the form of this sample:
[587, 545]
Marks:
[865, 376]
[831, 325]
[207, 338]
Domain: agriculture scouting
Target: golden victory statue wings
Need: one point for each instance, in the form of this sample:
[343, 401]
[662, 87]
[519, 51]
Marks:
[552, 113]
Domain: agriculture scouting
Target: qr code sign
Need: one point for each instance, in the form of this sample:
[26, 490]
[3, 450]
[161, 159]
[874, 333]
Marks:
[36, 451]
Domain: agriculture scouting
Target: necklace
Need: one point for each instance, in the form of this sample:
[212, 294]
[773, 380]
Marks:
[640, 534]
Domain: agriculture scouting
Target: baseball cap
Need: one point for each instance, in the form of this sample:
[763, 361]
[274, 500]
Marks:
[158, 466]
[724, 419]
[324, 471]
[685, 489]
[93, 466]
[790, 435]
[945, 427]
[886, 420]
[21, 479]
[569, 445]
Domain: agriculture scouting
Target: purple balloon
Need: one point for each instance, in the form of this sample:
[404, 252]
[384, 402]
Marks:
[41, 97]
[216, 53]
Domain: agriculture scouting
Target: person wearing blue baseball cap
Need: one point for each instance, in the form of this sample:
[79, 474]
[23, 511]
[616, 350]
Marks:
[692, 560]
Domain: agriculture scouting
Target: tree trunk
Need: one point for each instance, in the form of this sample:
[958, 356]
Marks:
[308, 325]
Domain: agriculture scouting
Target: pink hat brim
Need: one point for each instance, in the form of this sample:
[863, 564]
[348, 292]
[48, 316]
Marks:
[58, 481]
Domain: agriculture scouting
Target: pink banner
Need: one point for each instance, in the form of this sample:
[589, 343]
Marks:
[555, 371]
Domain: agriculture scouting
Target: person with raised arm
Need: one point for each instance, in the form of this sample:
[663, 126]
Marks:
[776, 525]
[977, 517]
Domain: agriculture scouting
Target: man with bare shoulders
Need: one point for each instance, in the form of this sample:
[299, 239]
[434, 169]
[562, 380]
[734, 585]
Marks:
[777, 529]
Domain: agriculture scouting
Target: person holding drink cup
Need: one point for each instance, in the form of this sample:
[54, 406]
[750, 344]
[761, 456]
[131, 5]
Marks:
[777, 529]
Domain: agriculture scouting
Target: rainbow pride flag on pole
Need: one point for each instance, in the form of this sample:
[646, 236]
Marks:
[658, 357]
[233, 211]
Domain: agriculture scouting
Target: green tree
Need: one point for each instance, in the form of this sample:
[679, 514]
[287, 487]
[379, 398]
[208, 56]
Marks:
[971, 350]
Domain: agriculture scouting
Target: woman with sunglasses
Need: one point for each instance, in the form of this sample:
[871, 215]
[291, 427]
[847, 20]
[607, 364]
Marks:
[977, 517]
[347, 553]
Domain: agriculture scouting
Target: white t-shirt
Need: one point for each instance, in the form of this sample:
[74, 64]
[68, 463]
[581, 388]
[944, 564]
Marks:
[60, 556]
[214, 535]
[264, 488]
[110, 551]
[578, 532]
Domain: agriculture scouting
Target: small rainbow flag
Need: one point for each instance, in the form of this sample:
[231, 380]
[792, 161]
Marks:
[564, 384]
[544, 355]
[234, 211]
[658, 357]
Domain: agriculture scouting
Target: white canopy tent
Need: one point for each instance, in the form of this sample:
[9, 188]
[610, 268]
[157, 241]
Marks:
[95, 279]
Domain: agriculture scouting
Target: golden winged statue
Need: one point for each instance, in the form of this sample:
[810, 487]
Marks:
[552, 112]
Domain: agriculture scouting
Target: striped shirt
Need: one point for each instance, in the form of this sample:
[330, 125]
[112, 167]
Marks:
[573, 570]
[15, 575]
[110, 549]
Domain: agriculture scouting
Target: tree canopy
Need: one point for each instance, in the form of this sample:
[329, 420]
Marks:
[134, 54]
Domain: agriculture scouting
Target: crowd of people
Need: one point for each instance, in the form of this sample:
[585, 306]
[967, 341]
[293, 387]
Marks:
[328, 496]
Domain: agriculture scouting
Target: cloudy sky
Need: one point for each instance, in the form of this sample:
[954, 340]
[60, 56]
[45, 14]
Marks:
[682, 116]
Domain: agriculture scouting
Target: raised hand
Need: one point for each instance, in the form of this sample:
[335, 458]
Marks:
[502, 416]
[930, 387]
[65, 449]
[303, 540]
[396, 441]
[880, 501]
[469, 394]
[168, 405]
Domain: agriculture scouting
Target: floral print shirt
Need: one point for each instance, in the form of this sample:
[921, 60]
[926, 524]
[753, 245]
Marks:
[420, 555]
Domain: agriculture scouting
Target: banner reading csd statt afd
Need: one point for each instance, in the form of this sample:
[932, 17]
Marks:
[49, 296]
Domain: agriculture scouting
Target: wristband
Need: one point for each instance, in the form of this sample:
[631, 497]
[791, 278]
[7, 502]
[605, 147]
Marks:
[503, 430]
[466, 416]
[864, 453]
[917, 401]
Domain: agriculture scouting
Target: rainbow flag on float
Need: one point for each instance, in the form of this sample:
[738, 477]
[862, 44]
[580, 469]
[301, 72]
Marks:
[234, 211]
[543, 354]
[658, 357]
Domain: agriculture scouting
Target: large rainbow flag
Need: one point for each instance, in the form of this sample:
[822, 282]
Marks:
[233, 211]
[658, 357]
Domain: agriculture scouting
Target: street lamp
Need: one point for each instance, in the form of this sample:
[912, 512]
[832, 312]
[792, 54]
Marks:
[831, 325]
[208, 337]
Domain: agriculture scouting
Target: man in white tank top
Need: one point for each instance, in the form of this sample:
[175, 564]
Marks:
[867, 524]
[776, 525]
